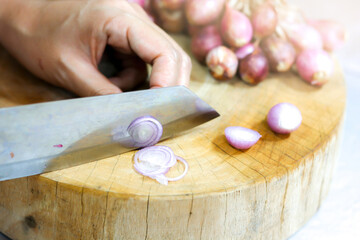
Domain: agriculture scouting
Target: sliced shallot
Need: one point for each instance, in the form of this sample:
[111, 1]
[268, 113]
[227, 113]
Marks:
[156, 161]
[145, 131]
[240, 137]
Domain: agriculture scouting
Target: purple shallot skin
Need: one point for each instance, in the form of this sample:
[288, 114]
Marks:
[254, 68]
[304, 37]
[279, 53]
[222, 63]
[204, 41]
[284, 118]
[332, 33]
[236, 28]
[264, 20]
[145, 131]
[315, 66]
[244, 51]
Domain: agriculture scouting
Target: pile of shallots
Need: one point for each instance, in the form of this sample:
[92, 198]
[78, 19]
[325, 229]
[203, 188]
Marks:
[251, 38]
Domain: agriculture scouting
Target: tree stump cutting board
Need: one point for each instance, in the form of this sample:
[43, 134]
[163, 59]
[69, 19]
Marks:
[266, 192]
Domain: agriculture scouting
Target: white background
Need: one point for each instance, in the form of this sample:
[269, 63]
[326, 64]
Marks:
[339, 215]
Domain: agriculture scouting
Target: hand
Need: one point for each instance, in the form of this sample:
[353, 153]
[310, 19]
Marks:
[63, 42]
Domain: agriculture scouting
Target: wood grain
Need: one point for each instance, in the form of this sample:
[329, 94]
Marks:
[266, 192]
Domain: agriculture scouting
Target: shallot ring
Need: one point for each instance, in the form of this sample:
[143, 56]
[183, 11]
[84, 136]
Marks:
[150, 121]
[186, 165]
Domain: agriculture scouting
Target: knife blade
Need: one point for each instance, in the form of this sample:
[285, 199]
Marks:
[50, 136]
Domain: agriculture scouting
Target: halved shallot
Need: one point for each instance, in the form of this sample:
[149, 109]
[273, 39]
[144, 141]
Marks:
[240, 137]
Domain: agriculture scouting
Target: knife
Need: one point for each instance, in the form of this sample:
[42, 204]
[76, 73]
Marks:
[44, 137]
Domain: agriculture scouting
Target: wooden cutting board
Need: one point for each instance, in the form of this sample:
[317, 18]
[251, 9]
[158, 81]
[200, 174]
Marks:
[266, 192]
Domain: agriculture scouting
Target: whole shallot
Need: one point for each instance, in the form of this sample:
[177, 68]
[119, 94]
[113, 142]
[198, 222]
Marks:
[170, 20]
[203, 12]
[333, 34]
[254, 67]
[315, 66]
[264, 20]
[304, 37]
[279, 52]
[222, 63]
[205, 40]
[236, 28]
[284, 118]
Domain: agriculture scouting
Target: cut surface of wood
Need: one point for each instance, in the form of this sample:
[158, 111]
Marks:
[266, 192]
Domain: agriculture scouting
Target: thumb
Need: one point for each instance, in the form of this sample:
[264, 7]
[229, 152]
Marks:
[84, 79]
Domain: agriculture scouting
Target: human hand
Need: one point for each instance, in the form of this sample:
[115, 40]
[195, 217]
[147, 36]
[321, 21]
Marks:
[63, 42]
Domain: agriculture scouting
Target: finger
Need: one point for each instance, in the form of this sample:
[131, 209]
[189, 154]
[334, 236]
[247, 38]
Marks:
[142, 13]
[182, 71]
[133, 34]
[82, 78]
[185, 68]
[184, 63]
